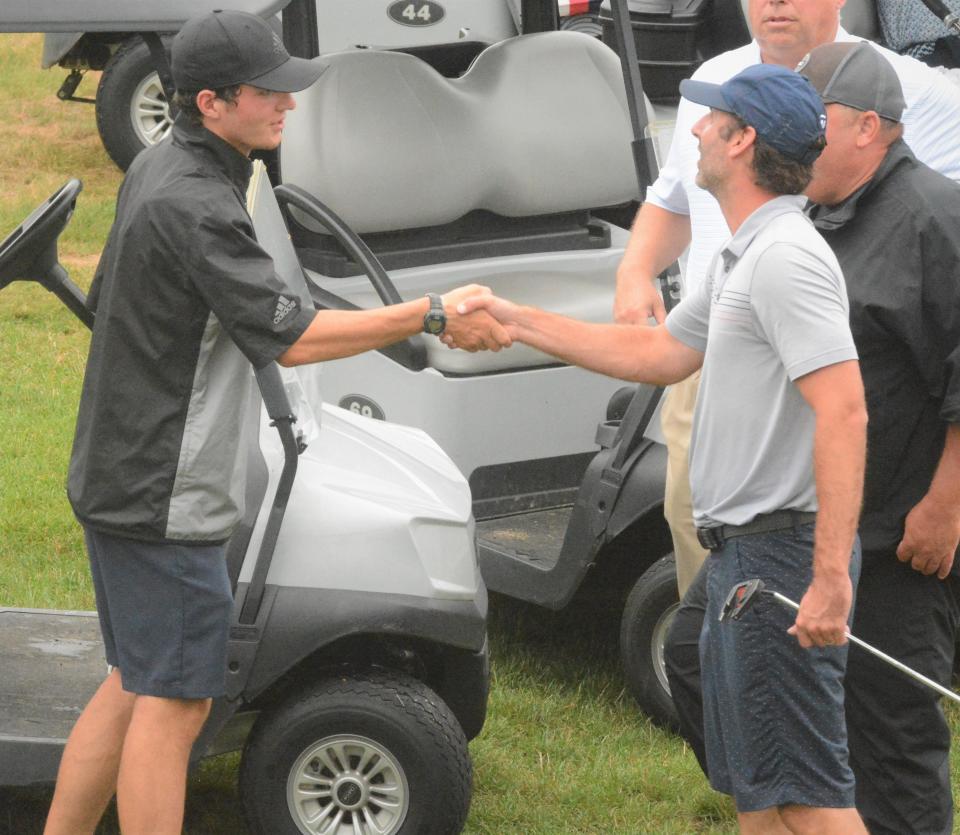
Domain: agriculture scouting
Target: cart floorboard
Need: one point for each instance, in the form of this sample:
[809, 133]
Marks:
[51, 663]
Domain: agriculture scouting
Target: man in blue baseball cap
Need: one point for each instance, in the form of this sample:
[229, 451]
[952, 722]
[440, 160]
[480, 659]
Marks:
[782, 107]
[894, 225]
[778, 452]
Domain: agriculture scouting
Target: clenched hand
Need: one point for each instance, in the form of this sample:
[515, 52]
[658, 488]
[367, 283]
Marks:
[473, 329]
[822, 619]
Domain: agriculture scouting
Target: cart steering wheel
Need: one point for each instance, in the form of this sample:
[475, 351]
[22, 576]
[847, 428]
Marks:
[410, 352]
[29, 252]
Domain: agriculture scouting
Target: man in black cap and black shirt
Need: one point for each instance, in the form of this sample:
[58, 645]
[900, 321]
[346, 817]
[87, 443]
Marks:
[894, 225]
[186, 300]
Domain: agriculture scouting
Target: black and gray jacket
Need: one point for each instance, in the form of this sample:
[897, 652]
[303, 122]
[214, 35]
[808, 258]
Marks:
[186, 300]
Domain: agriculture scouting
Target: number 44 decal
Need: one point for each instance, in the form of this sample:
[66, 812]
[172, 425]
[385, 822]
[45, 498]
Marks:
[418, 13]
[411, 12]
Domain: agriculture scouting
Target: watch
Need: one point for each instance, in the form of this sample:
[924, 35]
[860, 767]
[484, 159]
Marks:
[435, 320]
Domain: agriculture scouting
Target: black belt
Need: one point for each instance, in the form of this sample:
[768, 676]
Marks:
[779, 520]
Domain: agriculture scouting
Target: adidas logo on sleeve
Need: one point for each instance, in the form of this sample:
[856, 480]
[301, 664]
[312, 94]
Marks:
[284, 308]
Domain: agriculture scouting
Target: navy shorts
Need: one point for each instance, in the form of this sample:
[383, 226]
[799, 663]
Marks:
[773, 712]
[164, 614]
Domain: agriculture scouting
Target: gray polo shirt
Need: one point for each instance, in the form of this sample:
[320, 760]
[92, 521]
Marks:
[774, 307]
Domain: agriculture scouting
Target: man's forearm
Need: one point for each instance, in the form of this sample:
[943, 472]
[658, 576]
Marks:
[629, 352]
[657, 239]
[334, 334]
[945, 486]
[835, 394]
[931, 530]
[839, 456]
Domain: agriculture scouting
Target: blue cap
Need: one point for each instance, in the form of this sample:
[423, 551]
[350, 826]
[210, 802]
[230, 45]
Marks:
[780, 105]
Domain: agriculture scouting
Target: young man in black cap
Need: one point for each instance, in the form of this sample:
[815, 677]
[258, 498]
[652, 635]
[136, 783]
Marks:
[186, 300]
[779, 442]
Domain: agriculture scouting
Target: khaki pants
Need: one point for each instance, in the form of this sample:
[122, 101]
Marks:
[676, 420]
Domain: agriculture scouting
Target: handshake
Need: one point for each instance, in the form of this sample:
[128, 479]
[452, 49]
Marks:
[477, 320]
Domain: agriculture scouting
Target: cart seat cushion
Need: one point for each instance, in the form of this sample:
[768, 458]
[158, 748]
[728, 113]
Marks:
[578, 283]
[538, 124]
[583, 289]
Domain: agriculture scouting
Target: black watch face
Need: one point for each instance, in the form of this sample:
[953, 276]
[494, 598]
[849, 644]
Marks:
[434, 323]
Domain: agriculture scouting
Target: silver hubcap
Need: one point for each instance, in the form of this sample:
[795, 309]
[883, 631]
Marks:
[347, 785]
[150, 111]
[657, 642]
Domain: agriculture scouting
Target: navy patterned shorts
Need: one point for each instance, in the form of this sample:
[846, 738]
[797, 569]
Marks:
[773, 711]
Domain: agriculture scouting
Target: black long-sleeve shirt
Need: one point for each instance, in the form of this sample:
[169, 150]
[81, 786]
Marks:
[898, 241]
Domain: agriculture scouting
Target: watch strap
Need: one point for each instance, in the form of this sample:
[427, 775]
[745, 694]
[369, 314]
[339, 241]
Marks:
[435, 320]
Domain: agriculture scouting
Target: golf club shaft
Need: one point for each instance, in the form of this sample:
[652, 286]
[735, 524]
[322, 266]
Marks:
[943, 691]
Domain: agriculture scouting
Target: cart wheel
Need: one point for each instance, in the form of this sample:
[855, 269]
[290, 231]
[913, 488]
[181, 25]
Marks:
[132, 109]
[647, 616]
[368, 752]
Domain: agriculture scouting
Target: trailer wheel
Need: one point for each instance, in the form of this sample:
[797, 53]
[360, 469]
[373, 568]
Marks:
[132, 109]
[647, 616]
[363, 753]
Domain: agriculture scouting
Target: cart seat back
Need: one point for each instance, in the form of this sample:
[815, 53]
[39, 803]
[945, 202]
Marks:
[537, 125]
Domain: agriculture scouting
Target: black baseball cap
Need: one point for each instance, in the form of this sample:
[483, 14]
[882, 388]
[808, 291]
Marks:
[225, 48]
[856, 75]
[781, 106]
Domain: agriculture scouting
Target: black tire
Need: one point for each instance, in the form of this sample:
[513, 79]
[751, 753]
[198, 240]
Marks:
[379, 720]
[647, 615]
[132, 111]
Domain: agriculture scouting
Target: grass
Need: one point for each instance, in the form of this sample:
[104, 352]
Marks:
[563, 751]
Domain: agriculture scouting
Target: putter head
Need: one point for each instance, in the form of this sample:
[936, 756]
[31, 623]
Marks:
[739, 599]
